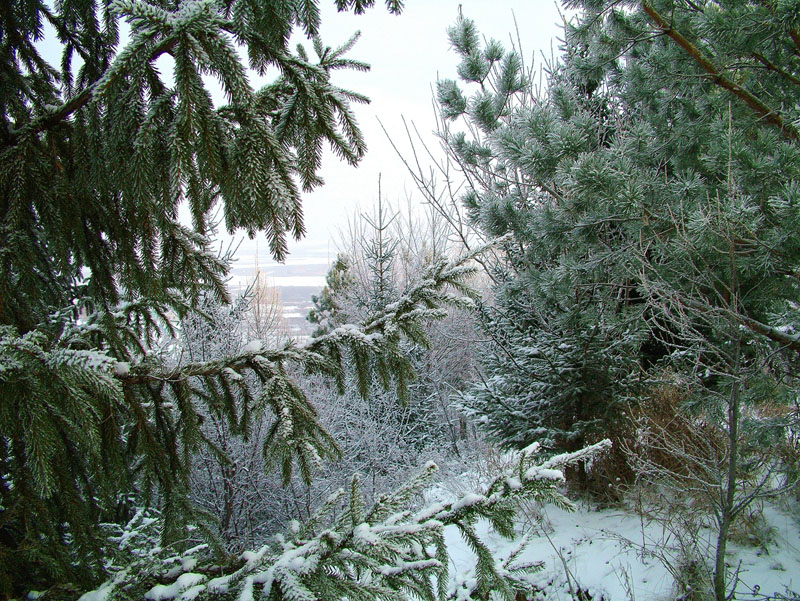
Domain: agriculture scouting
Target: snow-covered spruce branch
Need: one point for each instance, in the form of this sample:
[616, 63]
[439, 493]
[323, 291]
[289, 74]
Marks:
[150, 22]
[345, 552]
[565, 459]
[422, 301]
[258, 380]
[77, 102]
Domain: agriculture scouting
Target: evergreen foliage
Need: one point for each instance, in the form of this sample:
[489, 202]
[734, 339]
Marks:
[327, 308]
[229, 472]
[380, 254]
[96, 155]
[162, 429]
[645, 203]
[565, 334]
[382, 439]
[648, 207]
[385, 250]
[391, 551]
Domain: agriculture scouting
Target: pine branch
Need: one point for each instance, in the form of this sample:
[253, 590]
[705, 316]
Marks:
[768, 114]
[773, 67]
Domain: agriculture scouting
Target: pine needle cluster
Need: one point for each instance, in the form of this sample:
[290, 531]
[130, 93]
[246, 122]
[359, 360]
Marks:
[641, 198]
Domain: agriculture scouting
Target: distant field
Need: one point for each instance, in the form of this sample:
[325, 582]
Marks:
[282, 270]
[296, 305]
[296, 282]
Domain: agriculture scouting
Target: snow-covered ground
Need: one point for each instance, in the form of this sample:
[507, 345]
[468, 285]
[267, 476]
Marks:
[613, 554]
[606, 554]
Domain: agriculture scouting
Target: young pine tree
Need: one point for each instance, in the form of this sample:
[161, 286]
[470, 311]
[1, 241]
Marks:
[565, 323]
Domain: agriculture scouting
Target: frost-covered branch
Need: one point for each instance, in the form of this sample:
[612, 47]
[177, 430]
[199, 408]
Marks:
[345, 552]
[422, 301]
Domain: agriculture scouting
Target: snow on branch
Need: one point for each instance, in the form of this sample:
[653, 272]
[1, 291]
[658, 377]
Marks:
[584, 454]
[391, 552]
[422, 301]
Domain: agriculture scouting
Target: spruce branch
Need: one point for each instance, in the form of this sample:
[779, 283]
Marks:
[95, 266]
[795, 35]
[420, 302]
[77, 102]
[389, 552]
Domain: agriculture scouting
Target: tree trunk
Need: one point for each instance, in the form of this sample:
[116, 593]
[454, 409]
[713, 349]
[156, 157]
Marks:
[728, 496]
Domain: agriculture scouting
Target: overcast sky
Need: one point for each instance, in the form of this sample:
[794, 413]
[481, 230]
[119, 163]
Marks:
[407, 54]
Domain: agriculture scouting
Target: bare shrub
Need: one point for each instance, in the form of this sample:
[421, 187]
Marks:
[671, 447]
[681, 457]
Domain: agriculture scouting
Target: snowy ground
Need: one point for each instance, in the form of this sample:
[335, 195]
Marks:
[609, 554]
[614, 555]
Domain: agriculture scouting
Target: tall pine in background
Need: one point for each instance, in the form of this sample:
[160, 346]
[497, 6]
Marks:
[647, 202]
[564, 333]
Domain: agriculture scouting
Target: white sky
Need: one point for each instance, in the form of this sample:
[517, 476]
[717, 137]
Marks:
[407, 54]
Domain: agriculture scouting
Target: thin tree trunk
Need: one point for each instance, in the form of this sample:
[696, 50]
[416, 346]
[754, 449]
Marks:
[728, 500]
[728, 496]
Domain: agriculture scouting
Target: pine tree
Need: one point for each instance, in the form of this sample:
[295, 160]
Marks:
[564, 328]
[96, 155]
[327, 311]
[648, 201]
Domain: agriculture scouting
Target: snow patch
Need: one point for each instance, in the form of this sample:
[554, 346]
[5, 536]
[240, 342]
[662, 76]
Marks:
[247, 590]
[122, 369]
[467, 501]
[164, 592]
[232, 375]
[254, 346]
[100, 594]
[364, 534]
[543, 473]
